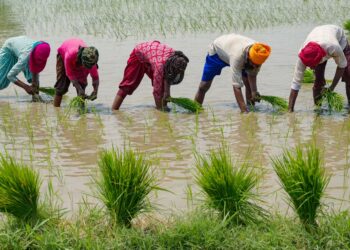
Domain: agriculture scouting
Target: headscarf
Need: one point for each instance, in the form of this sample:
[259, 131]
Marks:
[312, 54]
[174, 68]
[259, 52]
[88, 56]
[38, 57]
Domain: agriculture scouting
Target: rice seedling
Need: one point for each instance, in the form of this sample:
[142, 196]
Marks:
[275, 101]
[303, 177]
[333, 100]
[48, 90]
[79, 104]
[309, 76]
[228, 187]
[19, 189]
[126, 182]
[187, 104]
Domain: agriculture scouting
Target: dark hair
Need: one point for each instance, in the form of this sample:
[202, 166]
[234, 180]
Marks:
[175, 64]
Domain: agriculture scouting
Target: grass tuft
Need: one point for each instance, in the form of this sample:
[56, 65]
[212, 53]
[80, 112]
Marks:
[334, 101]
[228, 188]
[309, 76]
[79, 104]
[126, 181]
[302, 176]
[48, 90]
[346, 25]
[275, 101]
[19, 189]
[187, 104]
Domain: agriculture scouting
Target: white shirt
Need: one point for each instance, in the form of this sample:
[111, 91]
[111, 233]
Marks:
[333, 40]
[232, 49]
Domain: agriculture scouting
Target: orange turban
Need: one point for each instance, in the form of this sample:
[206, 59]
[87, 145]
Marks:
[259, 52]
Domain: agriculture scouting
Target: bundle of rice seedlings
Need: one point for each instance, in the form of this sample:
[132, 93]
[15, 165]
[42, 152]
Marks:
[126, 181]
[302, 176]
[187, 104]
[276, 102]
[309, 76]
[334, 101]
[79, 104]
[347, 26]
[19, 189]
[48, 90]
[228, 187]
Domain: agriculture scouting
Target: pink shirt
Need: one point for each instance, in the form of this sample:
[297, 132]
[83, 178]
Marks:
[155, 54]
[68, 51]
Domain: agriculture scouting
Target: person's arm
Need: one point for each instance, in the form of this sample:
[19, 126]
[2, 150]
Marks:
[253, 88]
[24, 86]
[95, 83]
[35, 83]
[292, 98]
[166, 94]
[338, 74]
[16, 69]
[80, 90]
[340, 59]
[240, 100]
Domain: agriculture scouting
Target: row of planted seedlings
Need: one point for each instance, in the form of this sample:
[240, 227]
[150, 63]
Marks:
[127, 178]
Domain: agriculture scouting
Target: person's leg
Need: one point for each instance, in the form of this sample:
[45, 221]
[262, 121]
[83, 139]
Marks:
[133, 75]
[62, 83]
[319, 83]
[212, 67]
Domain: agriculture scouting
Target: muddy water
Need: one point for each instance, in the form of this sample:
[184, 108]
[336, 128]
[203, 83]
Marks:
[64, 148]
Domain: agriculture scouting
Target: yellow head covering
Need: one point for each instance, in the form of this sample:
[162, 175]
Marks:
[259, 52]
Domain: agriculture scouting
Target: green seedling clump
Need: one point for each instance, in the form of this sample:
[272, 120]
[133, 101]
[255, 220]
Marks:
[19, 189]
[334, 101]
[303, 177]
[275, 101]
[187, 104]
[309, 76]
[228, 187]
[78, 103]
[347, 26]
[48, 90]
[126, 181]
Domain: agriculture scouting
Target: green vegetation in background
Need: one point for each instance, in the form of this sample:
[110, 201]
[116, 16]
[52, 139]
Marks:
[303, 177]
[144, 18]
[125, 183]
[346, 26]
[229, 188]
[186, 103]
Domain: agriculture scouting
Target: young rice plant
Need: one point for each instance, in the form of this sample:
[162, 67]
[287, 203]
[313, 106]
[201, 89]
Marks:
[276, 102]
[126, 181]
[187, 104]
[19, 190]
[228, 187]
[302, 176]
[334, 101]
[309, 76]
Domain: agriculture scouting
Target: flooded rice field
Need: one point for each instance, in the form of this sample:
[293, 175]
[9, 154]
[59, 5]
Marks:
[65, 147]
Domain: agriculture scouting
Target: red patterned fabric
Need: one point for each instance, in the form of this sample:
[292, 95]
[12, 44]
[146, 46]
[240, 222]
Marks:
[146, 58]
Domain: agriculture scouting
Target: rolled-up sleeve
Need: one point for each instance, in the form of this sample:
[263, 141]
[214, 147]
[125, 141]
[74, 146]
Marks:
[338, 55]
[298, 75]
[18, 67]
[94, 73]
[236, 67]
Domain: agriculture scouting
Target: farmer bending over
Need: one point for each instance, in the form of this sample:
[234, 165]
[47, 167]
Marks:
[244, 56]
[161, 63]
[22, 54]
[75, 61]
[323, 42]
